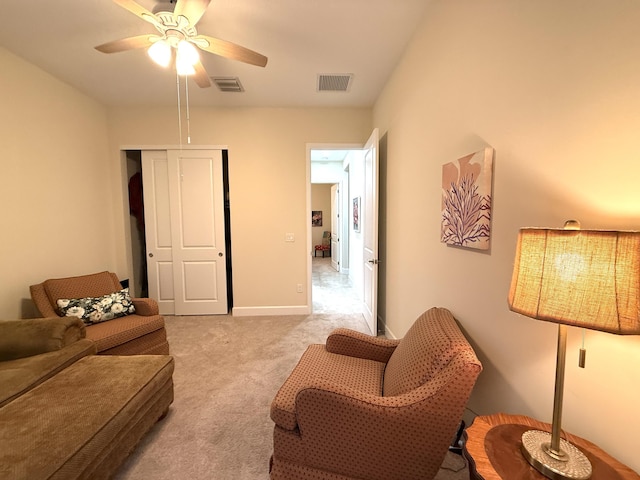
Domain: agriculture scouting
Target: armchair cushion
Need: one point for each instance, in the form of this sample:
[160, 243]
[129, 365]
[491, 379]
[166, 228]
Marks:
[97, 309]
[25, 338]
[119, 332]
[320, 369]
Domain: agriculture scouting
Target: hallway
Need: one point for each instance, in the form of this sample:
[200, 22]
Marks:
[332, 291]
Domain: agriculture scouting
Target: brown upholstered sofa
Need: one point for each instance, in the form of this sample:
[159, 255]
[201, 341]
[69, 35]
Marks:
[66, 413]
[363, 407]
[140, 333]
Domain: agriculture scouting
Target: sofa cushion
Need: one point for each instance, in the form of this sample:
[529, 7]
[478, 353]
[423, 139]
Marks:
[429, 345]
[97, 309]
[21, 375]
[318, 364]
[74, 420]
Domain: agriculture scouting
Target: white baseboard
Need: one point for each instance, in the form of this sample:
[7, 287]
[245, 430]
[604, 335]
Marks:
[267, 311]
[389, 334]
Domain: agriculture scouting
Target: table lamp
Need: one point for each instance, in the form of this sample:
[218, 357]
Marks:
[585, 278]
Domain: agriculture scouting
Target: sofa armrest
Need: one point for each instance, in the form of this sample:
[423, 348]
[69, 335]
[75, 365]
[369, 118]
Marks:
[25, 338]
[348, 342]
[145, 306]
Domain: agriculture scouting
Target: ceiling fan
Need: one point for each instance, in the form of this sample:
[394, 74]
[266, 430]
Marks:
[178, 38]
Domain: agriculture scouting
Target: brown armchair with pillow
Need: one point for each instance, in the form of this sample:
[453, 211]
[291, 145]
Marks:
[115, 322]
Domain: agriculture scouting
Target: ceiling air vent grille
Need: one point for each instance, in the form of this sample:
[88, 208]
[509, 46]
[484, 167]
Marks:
[228, 84]
[334, 82]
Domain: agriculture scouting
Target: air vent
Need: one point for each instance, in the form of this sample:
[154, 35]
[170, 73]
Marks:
[228, 84]
[334, 82]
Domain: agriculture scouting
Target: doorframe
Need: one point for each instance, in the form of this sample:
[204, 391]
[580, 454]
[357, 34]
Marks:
[122, 150]
[309, 249]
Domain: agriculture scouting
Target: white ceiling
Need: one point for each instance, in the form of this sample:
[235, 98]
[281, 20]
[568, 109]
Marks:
[328, 155]
[301, 38]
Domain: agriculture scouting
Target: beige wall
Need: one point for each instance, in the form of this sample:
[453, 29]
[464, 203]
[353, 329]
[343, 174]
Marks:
[268, 182]
[321, 200]
[55, 189]
[554, 87]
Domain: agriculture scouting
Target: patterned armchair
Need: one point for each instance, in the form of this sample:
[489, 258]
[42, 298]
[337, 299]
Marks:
[142, 332]
[363, 407]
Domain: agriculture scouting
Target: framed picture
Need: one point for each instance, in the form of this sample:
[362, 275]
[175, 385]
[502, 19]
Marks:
[356, 214]
[466, 200]
[316, 218]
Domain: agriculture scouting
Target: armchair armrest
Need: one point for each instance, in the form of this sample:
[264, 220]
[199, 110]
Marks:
[145, 306]
[359, 423]
[356, 344]
[25, 338]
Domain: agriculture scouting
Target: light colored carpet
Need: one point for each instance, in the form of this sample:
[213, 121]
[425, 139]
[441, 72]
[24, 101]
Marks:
[227, 372]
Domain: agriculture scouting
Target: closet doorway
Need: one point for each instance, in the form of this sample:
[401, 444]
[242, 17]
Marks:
[181, 248]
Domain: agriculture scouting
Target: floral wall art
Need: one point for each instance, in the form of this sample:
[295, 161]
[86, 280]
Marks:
[466, 200]
[316, 218]
[356, 214]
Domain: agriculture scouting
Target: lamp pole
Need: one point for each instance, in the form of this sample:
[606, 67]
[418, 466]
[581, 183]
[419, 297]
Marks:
[558, 397]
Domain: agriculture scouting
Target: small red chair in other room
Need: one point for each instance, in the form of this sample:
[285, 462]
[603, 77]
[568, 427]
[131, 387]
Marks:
[326, 245]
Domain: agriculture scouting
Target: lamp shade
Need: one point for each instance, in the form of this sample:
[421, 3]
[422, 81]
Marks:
[585, 278]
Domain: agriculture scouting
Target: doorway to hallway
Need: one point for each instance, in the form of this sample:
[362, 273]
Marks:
[333, 292]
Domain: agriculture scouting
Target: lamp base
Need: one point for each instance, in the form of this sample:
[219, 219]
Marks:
[568, 463]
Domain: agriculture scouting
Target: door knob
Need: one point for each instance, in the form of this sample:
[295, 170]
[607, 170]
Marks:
[220, 254]
[151, 255]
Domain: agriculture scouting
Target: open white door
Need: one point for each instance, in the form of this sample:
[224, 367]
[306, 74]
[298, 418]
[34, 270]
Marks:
[369, 218]
[336, 205]
[184, 212]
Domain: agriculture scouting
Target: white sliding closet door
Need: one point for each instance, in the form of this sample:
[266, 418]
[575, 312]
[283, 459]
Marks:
[185, 232]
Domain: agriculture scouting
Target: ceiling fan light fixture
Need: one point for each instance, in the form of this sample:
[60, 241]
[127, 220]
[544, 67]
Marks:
[184, 68]
[160, 53]
[187, 53]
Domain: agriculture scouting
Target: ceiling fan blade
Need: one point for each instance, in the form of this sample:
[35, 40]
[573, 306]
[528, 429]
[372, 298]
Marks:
[191, 9]
[131, 43]
[201, 77]
[138, 10]
[229, 50]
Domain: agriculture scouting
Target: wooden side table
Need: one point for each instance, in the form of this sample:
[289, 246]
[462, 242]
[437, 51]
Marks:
[492, 448]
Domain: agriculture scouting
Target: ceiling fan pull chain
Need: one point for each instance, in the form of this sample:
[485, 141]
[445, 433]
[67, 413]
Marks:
[186, 94]
[179, 119]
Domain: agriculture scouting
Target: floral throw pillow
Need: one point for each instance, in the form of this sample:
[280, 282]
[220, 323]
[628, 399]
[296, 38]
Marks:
[97, 309]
